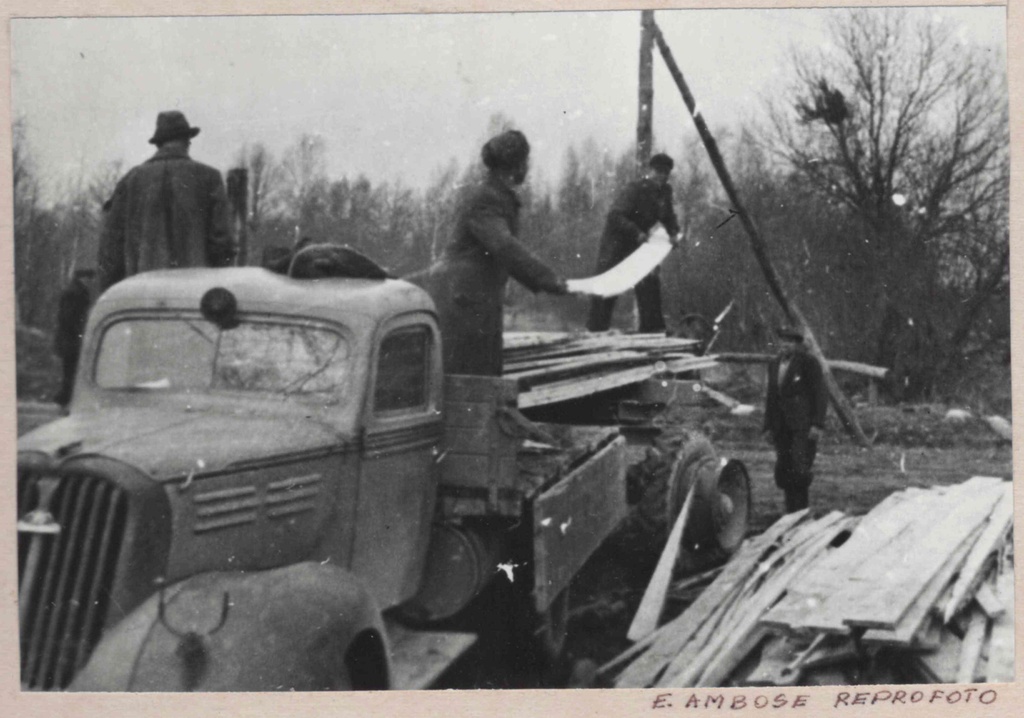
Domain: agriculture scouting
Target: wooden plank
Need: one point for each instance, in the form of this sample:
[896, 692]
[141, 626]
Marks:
[576, 367]
[575, 388]
[669, 391]
[723, 399]
[970, 652]
[730, 645]
[877, 534]
[653, 601]
[916, 617]
[671, 637]
[996, 532]
[894, 585]
[941, 664]
[805, 607]
[418, 658]
[1001, 643]
[573, 518]
[988, 602]
[875, 372]
[731, 605]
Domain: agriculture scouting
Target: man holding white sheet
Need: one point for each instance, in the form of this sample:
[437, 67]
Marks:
[637, 208]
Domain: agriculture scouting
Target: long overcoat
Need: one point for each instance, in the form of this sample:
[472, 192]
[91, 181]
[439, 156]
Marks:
[792, 406]
[468, 283]
[170, 211]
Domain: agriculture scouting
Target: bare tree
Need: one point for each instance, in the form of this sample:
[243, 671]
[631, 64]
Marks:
[908, 129]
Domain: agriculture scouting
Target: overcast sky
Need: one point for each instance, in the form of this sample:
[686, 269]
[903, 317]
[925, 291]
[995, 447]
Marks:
[397, 97]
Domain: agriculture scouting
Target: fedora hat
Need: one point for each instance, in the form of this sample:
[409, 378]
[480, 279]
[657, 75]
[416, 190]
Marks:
[172, 125]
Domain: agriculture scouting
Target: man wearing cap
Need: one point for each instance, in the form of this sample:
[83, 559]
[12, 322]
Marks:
[636, 209]
[170, 211]
[794, 415]
[468, 284]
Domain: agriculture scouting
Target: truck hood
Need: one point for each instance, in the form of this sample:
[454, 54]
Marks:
[172, 444]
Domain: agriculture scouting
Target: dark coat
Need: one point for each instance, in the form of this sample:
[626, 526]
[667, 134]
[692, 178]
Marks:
[800, 401]
[639, 206]
[170, 211]
[468, 284]
[792, 407]
[72, 315]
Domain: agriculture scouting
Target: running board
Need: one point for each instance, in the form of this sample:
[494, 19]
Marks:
[418, 658]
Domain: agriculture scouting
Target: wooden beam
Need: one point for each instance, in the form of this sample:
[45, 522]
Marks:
[757, 243]
[645, 94]
[653, 602]
[995, 534]
[970, 652]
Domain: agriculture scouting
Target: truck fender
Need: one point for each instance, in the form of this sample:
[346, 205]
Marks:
[302, 627]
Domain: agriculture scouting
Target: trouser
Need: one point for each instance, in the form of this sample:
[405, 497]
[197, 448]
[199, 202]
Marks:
[794, 457]
[648, 301]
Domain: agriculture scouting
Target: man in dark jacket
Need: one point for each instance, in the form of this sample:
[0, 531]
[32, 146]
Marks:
[468, 284]
[72, 314]
[636, 209]
[170, 211]
[794, 416]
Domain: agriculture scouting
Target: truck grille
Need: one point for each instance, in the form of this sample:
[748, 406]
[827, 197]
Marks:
[64, 578]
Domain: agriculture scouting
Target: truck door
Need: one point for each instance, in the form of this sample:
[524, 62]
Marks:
[398, 479]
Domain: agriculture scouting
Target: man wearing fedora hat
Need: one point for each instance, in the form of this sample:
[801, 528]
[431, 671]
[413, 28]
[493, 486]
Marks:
[168, 212]
[794, 415]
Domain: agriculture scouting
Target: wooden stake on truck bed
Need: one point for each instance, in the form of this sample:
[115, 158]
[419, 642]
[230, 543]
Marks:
[839, 401]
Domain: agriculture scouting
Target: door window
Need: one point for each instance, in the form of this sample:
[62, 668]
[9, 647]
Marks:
[403, 370]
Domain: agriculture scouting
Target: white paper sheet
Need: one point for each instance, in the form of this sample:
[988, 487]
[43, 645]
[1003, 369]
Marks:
[626, 274]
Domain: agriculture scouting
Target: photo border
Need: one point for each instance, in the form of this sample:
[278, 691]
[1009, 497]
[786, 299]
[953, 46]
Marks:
[592, 703]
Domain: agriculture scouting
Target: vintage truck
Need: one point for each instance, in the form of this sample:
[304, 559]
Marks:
[268, 483]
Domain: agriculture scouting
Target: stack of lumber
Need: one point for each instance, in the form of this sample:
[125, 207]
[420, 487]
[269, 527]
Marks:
[923, 582]
[558, 366]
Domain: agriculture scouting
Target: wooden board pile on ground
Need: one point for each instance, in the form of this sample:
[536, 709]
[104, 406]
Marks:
[920, 589]
[558, 366]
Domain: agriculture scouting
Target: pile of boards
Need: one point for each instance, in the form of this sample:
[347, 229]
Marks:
[920, 589]
[558, 366]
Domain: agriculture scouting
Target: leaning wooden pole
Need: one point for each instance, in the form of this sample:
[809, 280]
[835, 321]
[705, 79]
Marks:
[839, 400]
[645, 95]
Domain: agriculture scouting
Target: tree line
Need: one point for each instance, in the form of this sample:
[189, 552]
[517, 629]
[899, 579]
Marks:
[880, 178]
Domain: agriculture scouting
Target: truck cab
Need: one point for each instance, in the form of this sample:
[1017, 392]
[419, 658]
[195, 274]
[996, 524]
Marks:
[228, 423]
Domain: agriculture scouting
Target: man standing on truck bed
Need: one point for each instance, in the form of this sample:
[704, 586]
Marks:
[637, 208]
[794, 416]
[170, 211]
[468, 284]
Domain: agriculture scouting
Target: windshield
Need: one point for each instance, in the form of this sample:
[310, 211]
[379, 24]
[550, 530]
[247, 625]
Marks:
[193, 355]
